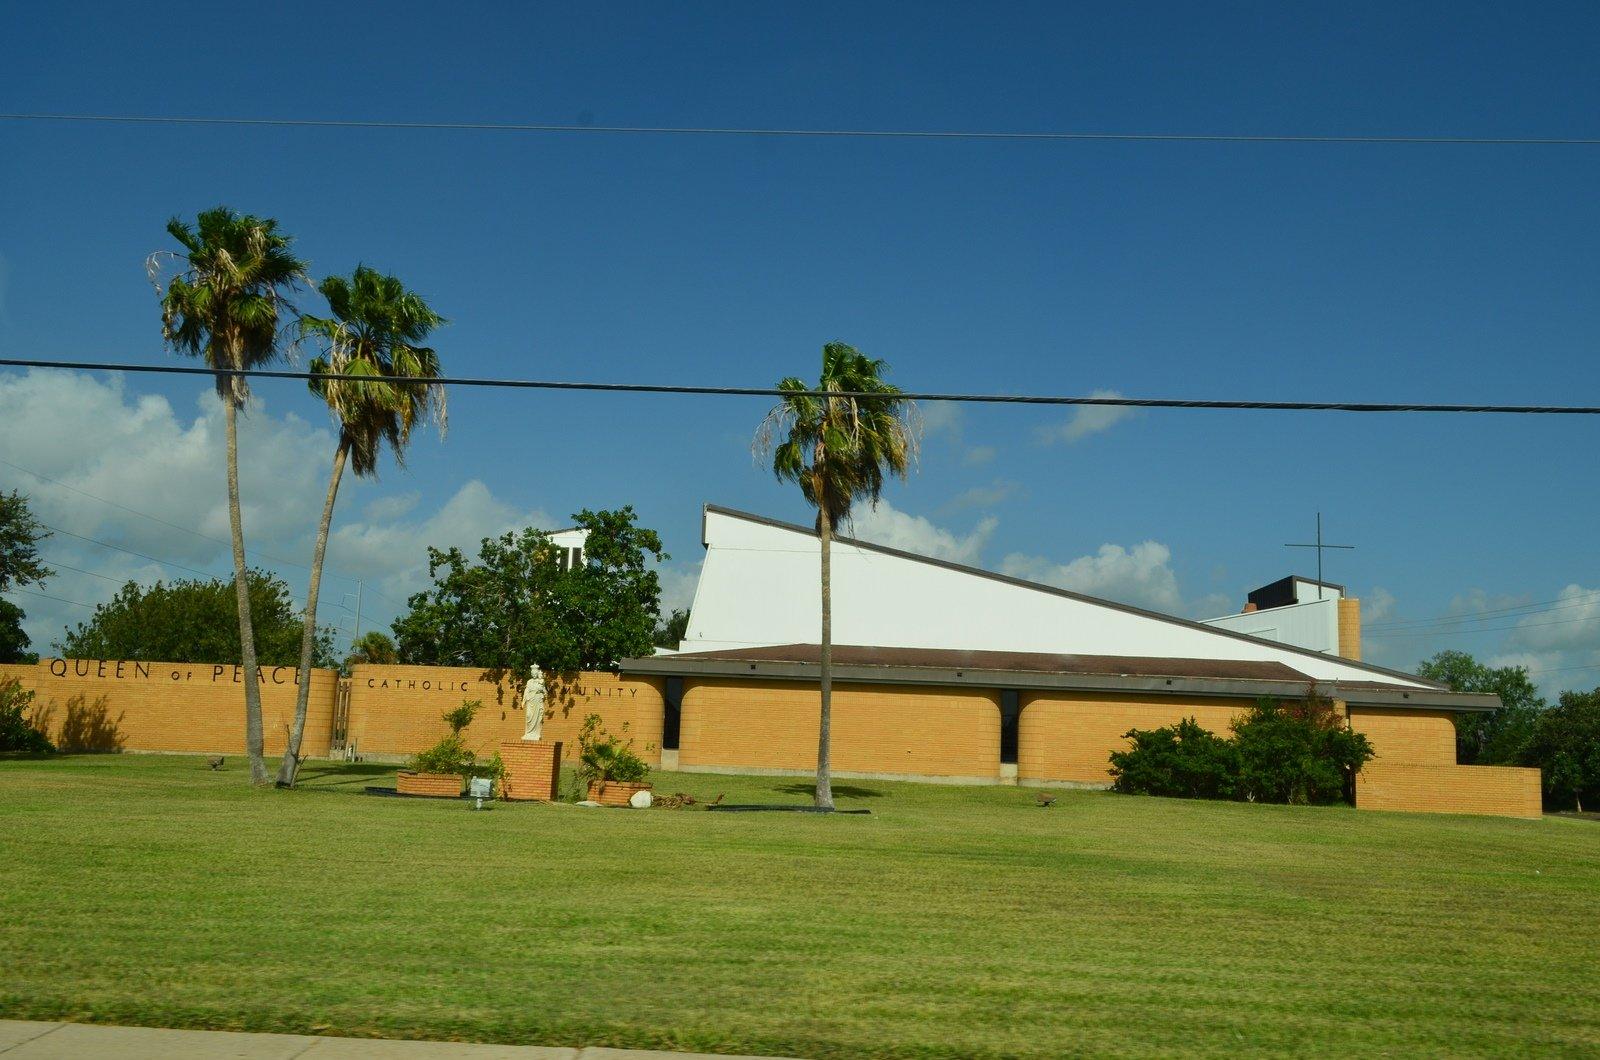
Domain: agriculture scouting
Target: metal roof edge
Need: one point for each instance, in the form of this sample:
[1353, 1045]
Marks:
[686, 665]
[1052, 590]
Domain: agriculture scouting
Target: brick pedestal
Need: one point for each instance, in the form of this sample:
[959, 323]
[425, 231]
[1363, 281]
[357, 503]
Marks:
[437, 785]
[533, 769]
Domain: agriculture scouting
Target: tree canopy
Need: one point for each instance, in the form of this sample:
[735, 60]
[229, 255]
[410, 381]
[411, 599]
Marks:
[194, 620]
[20, 565]
[1499, 737]
[1565, 745]
[515, 608]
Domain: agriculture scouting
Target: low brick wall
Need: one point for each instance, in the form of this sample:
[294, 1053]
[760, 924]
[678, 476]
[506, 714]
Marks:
[614, 793]
[443, 785]
[1507, 791]
[533, 770]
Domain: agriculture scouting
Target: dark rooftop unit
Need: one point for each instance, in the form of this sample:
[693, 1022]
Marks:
[1281, 593]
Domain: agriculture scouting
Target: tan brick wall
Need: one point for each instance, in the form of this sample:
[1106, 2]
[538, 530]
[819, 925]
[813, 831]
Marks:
[165, 706]
[635, 702]
[533, 769]
[398, 710]
[1350, 628]
[915, 730]
[1415, 737]
[1069, 736]
[1507, 791]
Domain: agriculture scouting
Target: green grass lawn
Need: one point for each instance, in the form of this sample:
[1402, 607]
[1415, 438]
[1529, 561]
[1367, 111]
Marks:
[951, 922]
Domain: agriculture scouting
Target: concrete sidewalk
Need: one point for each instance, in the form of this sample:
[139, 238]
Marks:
[25, 1040]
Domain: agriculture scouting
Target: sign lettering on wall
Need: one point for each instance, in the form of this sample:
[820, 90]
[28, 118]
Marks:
[211, 673]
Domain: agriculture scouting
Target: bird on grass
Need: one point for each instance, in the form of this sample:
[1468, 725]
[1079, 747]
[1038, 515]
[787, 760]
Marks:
[1046, 799]
[215, 762]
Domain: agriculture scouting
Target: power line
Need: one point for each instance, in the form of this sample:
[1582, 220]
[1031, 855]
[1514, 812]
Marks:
[90, 573]
[129, 551]
[742, 391]
[47, 596]
[851, 134]
[327, 571]
[1483, 629]
[1521, 610]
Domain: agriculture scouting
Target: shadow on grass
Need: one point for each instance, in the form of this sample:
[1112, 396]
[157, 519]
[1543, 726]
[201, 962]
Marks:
[343, 777]
[840, 791]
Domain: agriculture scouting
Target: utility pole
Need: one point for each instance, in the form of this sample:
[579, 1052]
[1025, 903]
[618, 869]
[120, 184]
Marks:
[358, 610]
[1319, 546]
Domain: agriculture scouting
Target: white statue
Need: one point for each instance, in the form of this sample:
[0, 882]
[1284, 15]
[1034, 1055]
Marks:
[533, 705]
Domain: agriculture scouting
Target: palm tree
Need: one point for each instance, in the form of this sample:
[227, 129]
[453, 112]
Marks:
[224, 306]
[372, 646]
[838, 449]
[376, 329]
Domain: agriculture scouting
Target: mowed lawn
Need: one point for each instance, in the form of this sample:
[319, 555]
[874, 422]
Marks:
[950, 922]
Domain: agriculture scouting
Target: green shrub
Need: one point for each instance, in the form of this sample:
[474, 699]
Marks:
[1182, 761]
[602, 756]
[451, 755]
[16, 732]
[1299, 752]
[1566, 748]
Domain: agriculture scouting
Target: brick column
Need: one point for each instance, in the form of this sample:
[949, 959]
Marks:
[533, 769]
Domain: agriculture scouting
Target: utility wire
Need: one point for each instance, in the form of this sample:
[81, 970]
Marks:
[129, 551]
[852, 134]
[741, 391]
[1538, 607]
[327, 571]
[47, 596]
[1482, 629]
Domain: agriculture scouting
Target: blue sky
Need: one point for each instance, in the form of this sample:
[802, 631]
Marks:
[1443, 273]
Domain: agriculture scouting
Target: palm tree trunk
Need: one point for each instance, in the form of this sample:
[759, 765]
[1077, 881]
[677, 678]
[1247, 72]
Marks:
[241, 583]
[308, 637]
[824, 729]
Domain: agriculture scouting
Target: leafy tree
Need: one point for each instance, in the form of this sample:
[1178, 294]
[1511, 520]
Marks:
[672, 629]
[20, 565]
[194, 620]
[17, 733]
[372, 646]
[838, 449]
[224, 306]
[1497, 737]
[377, 329]
[516, 609]
[1566, 748]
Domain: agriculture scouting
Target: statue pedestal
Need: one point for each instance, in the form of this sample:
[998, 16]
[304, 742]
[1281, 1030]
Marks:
[533, 770]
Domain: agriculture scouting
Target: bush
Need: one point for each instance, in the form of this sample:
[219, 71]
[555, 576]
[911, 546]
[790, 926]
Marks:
[1183, 761]
[1300, 752]
[602, 756]
[450, 755]
[16, 732]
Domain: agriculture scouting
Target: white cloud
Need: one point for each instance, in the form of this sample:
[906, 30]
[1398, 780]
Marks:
[1141, 575]
[886, 525]
[979, 455]
[1571, 623]
[941, 418]
[92, 435]
[1379, 606]
[997, 492]
[1085, 421]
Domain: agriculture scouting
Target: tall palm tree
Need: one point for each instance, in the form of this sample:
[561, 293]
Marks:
[838, 449]
[377, 329]
[224, 306]
[373, 646]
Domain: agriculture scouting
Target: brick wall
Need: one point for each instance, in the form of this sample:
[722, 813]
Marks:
[1350, 628]
[1069, 736]
[1415, 737]
[635, 702]
[1501, 790]
[397, 710]
[915, 730]
[163, 706]
[533, 769]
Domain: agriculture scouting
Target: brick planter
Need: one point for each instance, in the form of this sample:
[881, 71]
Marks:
[438, 785]
[613, 792]
[533, 770]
